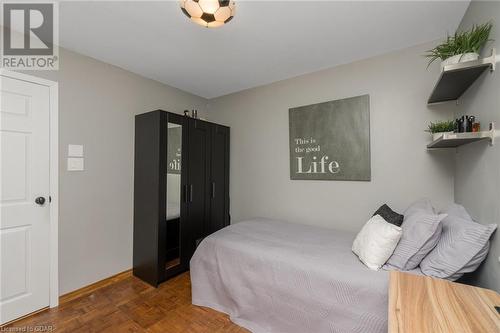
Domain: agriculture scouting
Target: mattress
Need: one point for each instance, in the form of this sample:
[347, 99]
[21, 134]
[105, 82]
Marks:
[272, 276]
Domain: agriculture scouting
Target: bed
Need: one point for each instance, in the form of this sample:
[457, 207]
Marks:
[272, 276]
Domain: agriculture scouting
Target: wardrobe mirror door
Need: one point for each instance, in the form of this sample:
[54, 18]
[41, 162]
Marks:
[174, 165]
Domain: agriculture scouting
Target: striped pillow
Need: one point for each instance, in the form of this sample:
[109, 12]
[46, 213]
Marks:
[421, 233]
[464, 244]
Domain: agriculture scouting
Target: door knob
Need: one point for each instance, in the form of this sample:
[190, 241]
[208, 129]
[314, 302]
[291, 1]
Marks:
[40, 201]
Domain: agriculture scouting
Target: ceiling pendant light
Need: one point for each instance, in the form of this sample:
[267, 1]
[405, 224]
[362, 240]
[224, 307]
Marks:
[209, 13]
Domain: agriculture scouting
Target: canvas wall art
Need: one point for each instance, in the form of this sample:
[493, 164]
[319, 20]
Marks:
[331, 140]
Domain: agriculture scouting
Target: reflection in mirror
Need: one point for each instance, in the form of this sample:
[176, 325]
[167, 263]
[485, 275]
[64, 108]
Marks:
[174, 153]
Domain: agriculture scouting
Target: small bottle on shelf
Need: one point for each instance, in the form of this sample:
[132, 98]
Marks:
[470, 122]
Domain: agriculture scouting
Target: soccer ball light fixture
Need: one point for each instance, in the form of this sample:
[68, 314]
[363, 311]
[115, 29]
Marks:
[209, 13]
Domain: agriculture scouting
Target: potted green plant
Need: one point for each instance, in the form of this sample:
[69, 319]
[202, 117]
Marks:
[437, 129]
[462, 46]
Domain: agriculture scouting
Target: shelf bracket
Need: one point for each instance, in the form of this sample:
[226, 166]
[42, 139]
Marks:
[493, 134]
[494, 59]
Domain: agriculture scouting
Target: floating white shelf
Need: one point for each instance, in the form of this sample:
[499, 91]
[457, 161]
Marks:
[453, 140]
[455, 79]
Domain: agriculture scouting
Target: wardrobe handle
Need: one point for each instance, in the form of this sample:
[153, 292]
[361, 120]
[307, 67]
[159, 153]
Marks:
[185, 193]
[191, 193]
[213, 190]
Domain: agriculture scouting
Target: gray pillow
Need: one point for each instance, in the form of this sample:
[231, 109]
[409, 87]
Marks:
[464, 244]
[420, 205]
[421, 233]
[459, 211]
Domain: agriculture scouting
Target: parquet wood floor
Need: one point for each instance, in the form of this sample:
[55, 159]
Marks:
[130, 305]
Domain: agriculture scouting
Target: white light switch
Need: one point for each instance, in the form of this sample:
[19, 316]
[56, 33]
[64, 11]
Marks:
[75, 164]
[75, 150]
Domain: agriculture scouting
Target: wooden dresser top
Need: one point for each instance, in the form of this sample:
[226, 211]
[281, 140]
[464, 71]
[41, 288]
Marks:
[421, 304]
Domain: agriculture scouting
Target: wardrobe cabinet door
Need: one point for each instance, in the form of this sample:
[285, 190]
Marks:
[197, 186]
[148, 197]
[219, 186]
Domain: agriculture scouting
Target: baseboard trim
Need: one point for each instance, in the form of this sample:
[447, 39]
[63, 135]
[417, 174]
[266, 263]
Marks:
[87, 290]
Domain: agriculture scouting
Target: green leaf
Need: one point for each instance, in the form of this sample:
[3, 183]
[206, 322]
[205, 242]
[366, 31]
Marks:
[441, 126]
[472, 40]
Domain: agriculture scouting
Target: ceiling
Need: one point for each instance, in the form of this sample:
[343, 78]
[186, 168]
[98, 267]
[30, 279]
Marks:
[267, 41]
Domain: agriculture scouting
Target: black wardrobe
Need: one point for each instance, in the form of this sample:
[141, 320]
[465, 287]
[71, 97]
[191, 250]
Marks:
[181, 190]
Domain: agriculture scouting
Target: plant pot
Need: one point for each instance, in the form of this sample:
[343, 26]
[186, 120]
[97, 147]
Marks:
[459, 58]
[436, 136]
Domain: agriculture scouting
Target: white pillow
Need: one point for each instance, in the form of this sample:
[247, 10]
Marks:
[376, 242]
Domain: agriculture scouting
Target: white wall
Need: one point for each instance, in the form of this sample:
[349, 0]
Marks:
[97, 104]
[477, 176]
[402, 169]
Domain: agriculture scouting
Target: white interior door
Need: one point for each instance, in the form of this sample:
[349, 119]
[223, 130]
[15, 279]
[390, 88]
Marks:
[24, 177]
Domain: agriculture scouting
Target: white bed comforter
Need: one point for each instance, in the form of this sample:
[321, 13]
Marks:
[273, 276]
